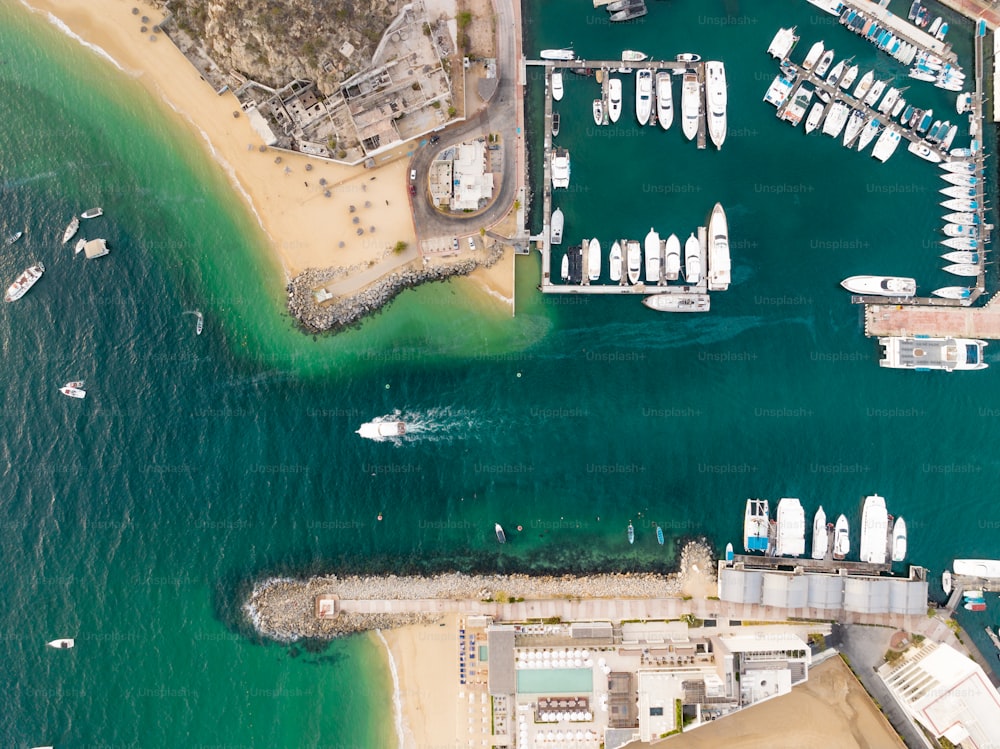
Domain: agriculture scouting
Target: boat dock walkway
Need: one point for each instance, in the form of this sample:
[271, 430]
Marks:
[903, 29]
[808, 564]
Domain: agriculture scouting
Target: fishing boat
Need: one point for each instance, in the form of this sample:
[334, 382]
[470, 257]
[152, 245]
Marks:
[824, 64]
[24, 282]
[836, 118]
[692, 260]
[868, 133]
[556, 230]
[557, 54]
[812, 56]
[886, 144]
[382, 430]
[678, 302]
[782, 43]
[92, 213]
[756, 521]
[631, 55]
[716, 97]
[730, 556]
[560, 168]
[11, 238]
[963, 269]
[643, 95]
[633, 261]
[598, 108]
[564, 268]
[719, 261]
[864, 85]
[821, 538]
[664, 100]
[841, 538]
[855, 123]
[555, 124]
[71, 230]
[652, 251]
[797, 106]
[895, 286]
[557, 86]
[925, 353]
[631, 533]
[874, 529]
[790, 533]
[946, 582]
[961, 256]
[672, 258]
[501, 536]
[899, 540]
[72, 392]
[614, 98]
[815, 115]
[594, 260]
[690, 105]
[986, 568]
[615, 261]
[64, 644]
[849, 77]
[953, 292]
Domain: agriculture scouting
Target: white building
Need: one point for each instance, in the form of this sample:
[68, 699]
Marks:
[471, 182]
[947, 693]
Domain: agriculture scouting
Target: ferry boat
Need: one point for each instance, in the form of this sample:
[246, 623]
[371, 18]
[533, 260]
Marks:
[631, 533]
[864, 85]
[557, 54]
[556, 230]
[92, 213]
[899, 540]
[672, 258]
[560, 168]
[501, 536]
[835, 119]
[692, 260]
[841, 538]
[961, 256]
[824, 64]
[633, 261]
[643, 95]
[874, 530]
[985, 568]
[953, 292]
[963, 269]
[199, 323]
[594, 260]
[812, 56]
[615, 261]
[821, 538]
[719, 261]
[886, 144]
[555, 124]
[797, 107]
[855, 124]
[664, 100]
[690, 105]
[924, 353]
[71, 230]
[24, 282]
[782, 43]
[557, 86]
[652, 251]
[678, 302]
[868, 133]
[717, 98]
[598, 109]
[791, 528]
[73, 392]
[381, 430]
[815, 115]
[64, 644]
[631, 55]
[756, 520]
[849, 77]
[614, 98]
[895, 286]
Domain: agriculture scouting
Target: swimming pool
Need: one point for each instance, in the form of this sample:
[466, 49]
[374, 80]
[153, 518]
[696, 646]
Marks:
[555, 681]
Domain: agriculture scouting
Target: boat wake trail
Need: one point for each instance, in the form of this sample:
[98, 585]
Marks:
[431, 425]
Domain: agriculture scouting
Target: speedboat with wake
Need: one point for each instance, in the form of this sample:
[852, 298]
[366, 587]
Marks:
[382, 430]
[895, 286]
[690, 105]
[652, 252]
[717, 99]
[672, 258]
[199, 323]
[692, 260]
[664, 100]
[643, 95]
[614, 98]
[73, 390]
[501, 536]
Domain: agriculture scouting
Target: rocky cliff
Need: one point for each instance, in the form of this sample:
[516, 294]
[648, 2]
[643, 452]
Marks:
[274, 41]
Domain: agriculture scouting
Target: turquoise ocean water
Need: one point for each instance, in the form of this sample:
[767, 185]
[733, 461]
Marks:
[134, 520]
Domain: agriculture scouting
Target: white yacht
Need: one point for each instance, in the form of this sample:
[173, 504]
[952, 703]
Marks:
[594, 260]
[564, 268]
[841, 538]
[614, 99]
[874, 530]
[812, 56]
[966, 219]
[556, 230]
[557, 86]
[381, 430]
[717, 98]
[631, 55]
[756, 521]
[949, 354]
[652, 252]
[835, 118]
[899, 540]
[821, 539]
[598, 108]
[633, 260]
[672, 258]
[868, 134]
[557, 54]
[678, 302]
[824, 64]
[878, 87]
[615, 261]
[815, 115]
[963, 269]
[961, 256]
[886, 144]
[796, 108]
[560, 168]
[790, 534]
[690, 105]
[986, 568]
[782, 43]
[836, 73]
[664, 100]
[896, 286]
[849, 77]
[643, 95]
[855, 123]
[692, 260]
[719, 262]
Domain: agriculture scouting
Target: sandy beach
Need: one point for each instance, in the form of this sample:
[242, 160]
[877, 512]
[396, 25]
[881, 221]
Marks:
[305, 228]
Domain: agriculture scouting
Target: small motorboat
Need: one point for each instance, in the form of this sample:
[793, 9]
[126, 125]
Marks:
[841, 538]
[631, 533]
[974, 606]
[688, 57]
[729, 553]
[11, 238]
[63, 644]
[899, 540]
[199, 320]
[659, 535]
[598, 112]
[501, 536]
[73, 392]
[80, 244]
[382, 430]
[946, 582]
[616, 261]
[564, 268]
[92, 213]
[973, 595]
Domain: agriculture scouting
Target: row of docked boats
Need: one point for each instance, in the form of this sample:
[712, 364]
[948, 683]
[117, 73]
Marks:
[785, 536]
[625, 10]
[933, 69]
[884, 38]
[920, 16]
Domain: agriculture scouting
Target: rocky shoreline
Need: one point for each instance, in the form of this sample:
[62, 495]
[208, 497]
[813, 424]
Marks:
[348, 310]
[282, 609]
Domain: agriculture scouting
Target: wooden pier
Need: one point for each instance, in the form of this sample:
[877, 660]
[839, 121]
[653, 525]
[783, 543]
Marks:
[827, 565]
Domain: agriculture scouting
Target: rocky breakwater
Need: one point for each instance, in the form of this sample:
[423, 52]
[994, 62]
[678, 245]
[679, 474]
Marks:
[343, 311]
[283, 609]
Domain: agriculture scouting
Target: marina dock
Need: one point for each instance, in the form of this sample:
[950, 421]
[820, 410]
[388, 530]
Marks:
[807, 564]
[901, 28]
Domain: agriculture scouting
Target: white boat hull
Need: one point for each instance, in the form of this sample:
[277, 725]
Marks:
[841, 538]
[690, 105]
[821, 538]
[719, 261]
[692, 260]
[382, 430]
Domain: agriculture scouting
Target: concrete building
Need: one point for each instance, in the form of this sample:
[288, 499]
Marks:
[947, 693]
[472, 184]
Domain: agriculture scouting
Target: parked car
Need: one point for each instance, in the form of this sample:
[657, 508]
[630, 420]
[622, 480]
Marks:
[435, 139]
[413, 175]
[454, 243]
[472, 243]
[413, 189]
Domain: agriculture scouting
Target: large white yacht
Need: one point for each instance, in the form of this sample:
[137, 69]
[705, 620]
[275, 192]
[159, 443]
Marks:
[949, 354]
[556, 230]
[643, 95]
[560, 168]
[874, 530]
[652, 251]
[881, 285]
[719, 262]
[633, 260]
[790, 534]
[692, 260]
[988, 568]
[664, 100]
[886, 144]
[614, 99]
[690, 105]
[782, 43]
[717, 98]
[557, 86]
[672, 258]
